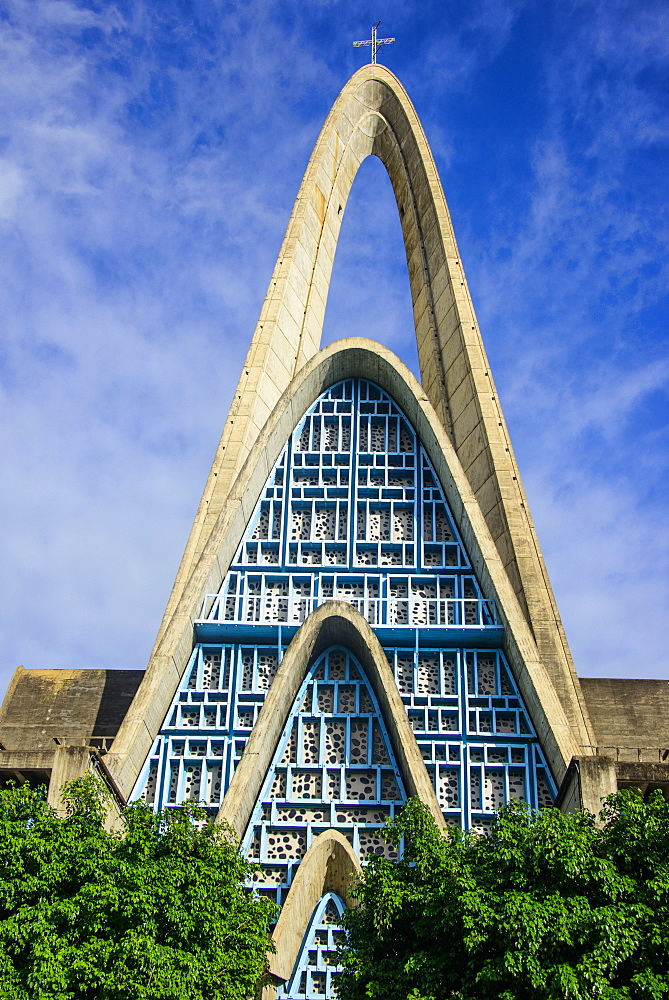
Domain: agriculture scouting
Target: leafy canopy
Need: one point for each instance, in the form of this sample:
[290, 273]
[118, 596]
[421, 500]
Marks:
[158, 910]
[549, 907]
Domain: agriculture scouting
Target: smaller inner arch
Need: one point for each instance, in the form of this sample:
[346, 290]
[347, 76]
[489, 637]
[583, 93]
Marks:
[333, 768]
[316, 968]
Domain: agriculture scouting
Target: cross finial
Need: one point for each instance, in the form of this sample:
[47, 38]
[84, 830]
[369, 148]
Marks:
[374, 41]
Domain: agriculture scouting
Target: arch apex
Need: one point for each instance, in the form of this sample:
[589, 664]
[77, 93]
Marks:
[374, 71]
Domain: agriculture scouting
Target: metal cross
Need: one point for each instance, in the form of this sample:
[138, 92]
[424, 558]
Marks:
[374, 41]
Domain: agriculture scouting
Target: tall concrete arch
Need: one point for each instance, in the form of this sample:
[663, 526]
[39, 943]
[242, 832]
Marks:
[373, 115]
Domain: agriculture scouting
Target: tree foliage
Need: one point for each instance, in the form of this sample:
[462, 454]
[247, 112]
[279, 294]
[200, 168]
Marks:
[549, 907]
[158, 910]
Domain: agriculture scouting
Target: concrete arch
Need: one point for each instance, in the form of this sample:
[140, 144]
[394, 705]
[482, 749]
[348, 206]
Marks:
[329, 865]
[333, 623]
[345, 359]
[373, 115]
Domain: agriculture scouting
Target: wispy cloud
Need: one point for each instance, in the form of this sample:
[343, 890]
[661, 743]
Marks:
[575, 293]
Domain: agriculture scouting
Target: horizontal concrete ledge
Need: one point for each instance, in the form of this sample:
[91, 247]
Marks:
[633, 753]
[449, 636]
[27, 760]
[589, 780]
[56, 766]
[642, 774]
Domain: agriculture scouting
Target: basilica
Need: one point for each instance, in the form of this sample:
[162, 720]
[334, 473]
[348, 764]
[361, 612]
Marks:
[362, 613]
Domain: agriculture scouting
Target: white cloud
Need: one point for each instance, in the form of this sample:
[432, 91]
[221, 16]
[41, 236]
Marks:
[11, 187]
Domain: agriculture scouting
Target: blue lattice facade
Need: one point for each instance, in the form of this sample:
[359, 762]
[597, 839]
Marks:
[352, 511]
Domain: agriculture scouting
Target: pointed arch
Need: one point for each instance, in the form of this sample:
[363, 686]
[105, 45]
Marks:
[332, 623]
[330, 865]
[373, 115]
[355, 357]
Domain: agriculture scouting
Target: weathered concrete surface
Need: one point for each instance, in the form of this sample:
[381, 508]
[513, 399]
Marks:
[646, 777]
[54, 768]
[373, 115]
[628, 714]
[81, 709]
[598, 779]
[587, 783]
[631, 724]
[68, 763]
[345, 359]
[590, 779]
[334, 623]
[72, 706]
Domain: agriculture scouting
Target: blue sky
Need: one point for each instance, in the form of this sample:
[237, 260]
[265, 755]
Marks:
[150, 154]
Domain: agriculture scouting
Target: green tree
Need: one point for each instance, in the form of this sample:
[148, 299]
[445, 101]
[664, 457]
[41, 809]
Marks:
[549, 907]
[158, 910]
